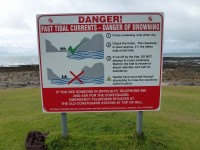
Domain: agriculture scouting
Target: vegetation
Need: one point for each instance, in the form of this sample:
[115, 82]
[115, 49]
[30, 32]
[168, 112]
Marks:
[176, 126]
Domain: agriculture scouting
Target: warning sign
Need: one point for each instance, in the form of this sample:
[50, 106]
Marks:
[100, 62]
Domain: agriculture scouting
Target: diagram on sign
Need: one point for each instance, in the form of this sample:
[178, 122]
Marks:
[87, 48]
[94, 75]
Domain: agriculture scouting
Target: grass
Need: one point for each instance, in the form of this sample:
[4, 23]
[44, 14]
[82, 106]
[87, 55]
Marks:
[176, 126]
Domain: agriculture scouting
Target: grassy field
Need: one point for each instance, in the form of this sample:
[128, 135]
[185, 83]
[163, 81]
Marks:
[176, 126]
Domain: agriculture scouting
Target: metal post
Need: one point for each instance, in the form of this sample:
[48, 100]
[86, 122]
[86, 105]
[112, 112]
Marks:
[64, 124]
[139, 123]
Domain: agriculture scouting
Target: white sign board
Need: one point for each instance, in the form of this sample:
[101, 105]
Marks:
[100, 62]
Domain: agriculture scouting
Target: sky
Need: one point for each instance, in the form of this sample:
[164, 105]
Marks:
[18, 34]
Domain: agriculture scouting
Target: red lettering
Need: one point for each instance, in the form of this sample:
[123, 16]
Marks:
[110, 19]
[116, 19]
[95, 19]
[102, 19]
[99, 19]
[88, 20]
[81, 19]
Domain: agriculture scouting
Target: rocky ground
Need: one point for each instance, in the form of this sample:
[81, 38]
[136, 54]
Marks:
[19, 77]
[181, 71]
[176, 71]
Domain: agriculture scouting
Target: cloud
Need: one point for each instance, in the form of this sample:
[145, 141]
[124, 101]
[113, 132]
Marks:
[24, 44]
[18, 21]
[179, 46]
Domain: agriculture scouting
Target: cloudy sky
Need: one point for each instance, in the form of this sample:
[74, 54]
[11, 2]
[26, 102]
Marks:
[18, 21]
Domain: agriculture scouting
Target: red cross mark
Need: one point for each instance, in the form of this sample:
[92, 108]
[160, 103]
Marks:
[76, 77]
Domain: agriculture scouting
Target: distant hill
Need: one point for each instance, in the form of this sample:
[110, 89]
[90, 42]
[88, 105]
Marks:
[96, 43]
[51, 75]
[96, 71]
[50, 47]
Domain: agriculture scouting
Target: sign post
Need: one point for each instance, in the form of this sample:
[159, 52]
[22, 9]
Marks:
[139, 123]
[100, 62]
[64, 125]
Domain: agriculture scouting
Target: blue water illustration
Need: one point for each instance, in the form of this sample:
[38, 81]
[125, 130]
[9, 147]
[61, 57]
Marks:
[86, 54]
[99, 80]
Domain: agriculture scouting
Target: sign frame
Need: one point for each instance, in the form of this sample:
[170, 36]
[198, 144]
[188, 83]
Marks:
[49, 90]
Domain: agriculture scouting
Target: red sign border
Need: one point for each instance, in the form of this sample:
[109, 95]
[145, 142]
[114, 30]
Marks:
[161, 14]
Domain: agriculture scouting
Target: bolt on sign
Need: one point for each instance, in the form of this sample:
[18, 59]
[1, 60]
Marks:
[100, 62]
